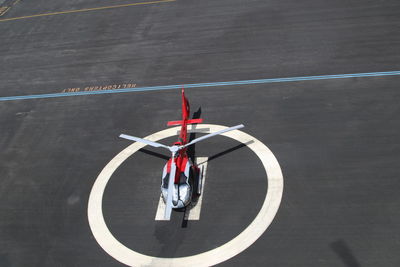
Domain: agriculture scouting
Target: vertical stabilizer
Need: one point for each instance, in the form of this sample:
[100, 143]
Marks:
[185, 113]
[185, 106]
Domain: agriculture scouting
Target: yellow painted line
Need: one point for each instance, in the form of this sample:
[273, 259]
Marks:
[87, 9]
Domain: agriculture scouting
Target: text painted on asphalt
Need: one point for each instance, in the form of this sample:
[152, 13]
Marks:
[100, 87]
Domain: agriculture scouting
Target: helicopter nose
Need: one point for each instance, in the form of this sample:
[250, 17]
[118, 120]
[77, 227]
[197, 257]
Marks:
[180, 204]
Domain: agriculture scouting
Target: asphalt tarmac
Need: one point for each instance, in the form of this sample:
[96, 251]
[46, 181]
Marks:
[336, 140]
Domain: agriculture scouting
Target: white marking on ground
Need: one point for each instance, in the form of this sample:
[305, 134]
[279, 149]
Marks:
[257, 227]
[160, 210]
[195, 130]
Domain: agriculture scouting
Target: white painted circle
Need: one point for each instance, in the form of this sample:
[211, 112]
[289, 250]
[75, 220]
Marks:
[228, 250]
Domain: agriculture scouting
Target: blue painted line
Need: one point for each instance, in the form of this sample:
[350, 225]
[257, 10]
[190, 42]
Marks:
[200, 85]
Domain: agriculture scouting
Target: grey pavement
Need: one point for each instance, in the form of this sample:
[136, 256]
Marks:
[337, 141]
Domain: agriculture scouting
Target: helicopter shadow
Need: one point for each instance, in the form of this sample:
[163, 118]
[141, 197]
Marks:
[191, 151]
[341, 248]
[186, 210]
[154, 154]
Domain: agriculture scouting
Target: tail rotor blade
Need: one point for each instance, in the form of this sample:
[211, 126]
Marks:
[212, 134]
[168, 207]
[145, 141]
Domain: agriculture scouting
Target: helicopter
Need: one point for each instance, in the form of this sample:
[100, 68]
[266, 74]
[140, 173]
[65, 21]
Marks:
[181, 178]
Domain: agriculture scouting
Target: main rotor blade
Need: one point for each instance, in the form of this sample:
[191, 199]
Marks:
[147, 142]
[212, 134]
[168, 206]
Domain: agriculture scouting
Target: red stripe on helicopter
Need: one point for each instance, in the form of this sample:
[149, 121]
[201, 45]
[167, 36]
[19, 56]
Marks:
[169, 166]
[181, 164]
[180, 167]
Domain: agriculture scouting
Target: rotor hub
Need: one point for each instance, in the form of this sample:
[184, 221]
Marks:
[174, 149]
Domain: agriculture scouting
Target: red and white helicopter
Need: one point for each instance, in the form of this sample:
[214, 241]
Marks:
[180, 175]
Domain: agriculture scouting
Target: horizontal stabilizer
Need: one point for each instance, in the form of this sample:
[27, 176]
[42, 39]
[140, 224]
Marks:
[172, 123]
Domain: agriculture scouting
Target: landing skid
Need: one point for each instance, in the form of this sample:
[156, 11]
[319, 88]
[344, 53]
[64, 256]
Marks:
[200, 181]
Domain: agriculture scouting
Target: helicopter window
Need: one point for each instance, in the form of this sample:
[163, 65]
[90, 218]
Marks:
[165, 181]
[183, 179]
